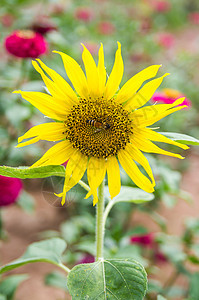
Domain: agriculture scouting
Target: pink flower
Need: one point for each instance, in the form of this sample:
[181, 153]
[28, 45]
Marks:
[25, 44]
[194, 18]
[92, 47]
[168, 96]
[143, 240]
[87, 259]
[161, 6]
[106, 28]
[7, 20]
[166, 40]
[159, 257]
[10, 189]
[84, 14]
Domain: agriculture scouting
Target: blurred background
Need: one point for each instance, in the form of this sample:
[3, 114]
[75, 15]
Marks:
[162, 235]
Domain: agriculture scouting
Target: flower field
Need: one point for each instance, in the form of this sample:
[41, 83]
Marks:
[99, 159]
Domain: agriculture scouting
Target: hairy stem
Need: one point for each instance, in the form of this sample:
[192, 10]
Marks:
[100, 222]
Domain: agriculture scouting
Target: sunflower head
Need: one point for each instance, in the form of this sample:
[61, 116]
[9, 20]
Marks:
[97, 124]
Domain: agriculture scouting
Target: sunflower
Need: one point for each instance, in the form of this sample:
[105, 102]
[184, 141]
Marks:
[97, 124]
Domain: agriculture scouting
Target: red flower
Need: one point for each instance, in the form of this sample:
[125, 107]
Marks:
[25, 44]
[10, 189]
[161, 6]
[84, 14]
[106, 28]
[7, 20]
[87, 259]
[143, 240]
[166, 40]
[194, 17]
[159, 257]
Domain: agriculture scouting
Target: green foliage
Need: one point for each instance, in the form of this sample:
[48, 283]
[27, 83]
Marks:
[45, 251]
[38, 172]
[26, 202]
[194, 287]
[181, 138]
[56, 279]
[133, 195]
[9, 285]
[108, 279]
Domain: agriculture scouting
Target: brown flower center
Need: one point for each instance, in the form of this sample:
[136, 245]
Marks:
[98, 127]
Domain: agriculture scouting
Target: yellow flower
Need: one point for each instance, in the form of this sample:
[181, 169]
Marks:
[99, 124]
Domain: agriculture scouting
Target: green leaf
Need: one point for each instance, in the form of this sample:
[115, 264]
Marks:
[56, 279]
[38, 172]
[181, 138]
[45, 251]
[9, 285]
[194, 287]
[135, 195]
[26, 202]
[2, 297]
[108, 279]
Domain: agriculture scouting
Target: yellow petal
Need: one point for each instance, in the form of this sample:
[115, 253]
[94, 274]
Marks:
[47, 131]
[148, 115]
[101, 71]
[133, 84]
[113, 172]
[91, 73]
[147, 146]
[144, 94]
[133, 172]
[138, 156]
[116, 75]
[62, 86]
[75, 74]
[75, 170]
[46, 104]
[157, 137]
[95, 173]
[56, 155]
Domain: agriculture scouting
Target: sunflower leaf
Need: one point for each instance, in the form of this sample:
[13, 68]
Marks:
[45, 251]
[131, 194]
[181, 138]
[37, 172]
[108, 279]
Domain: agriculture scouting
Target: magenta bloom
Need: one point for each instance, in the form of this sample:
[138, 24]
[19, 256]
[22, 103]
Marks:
[194, 17]
[159, 257]
[10, 189]
[106, 28]
[84, 14]
[168, 96]
[166, 40]
[87, 259]
[161, 6]
[143, 240]
[25, 44]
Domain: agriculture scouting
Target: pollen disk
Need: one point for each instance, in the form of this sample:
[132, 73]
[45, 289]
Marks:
[98, 127]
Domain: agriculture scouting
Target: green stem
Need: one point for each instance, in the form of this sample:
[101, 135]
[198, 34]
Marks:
[84, 185]
[63, 267]
[100, 222]
[107, 210]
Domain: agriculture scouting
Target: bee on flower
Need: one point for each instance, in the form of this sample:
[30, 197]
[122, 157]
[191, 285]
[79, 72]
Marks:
[97, 98]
